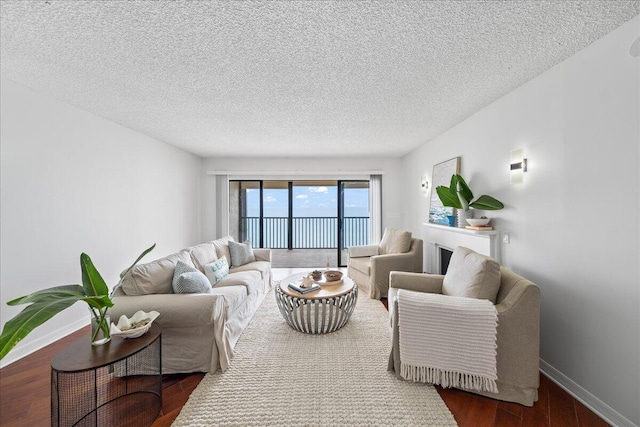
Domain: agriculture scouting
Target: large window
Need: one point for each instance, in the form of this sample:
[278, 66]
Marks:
[319, 214]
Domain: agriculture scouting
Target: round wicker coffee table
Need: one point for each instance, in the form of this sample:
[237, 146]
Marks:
[318, 312]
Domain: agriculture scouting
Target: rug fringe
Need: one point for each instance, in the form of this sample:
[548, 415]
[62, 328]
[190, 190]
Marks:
[446, 379]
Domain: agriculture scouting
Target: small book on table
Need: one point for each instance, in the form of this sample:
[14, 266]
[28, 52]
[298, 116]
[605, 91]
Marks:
[297, 286]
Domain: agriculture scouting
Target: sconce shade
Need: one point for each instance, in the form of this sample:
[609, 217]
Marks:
[518, 166]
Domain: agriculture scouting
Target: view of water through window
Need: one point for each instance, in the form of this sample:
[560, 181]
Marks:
[311, 214]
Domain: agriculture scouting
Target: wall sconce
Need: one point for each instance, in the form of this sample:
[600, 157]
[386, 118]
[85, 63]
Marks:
[424, 184]
[518, 166]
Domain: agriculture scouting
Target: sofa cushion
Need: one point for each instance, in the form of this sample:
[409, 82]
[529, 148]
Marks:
[216, 270]
[241, 253]
[250, 280]
[202, 255]
[363, 265]
[222, 247]
[472, 275]
[233, 297]
[154, 277]
[189, 280]
[264, 267]
[395, 241]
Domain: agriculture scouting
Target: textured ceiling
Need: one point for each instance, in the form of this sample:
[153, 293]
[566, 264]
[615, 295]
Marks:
[296, 78]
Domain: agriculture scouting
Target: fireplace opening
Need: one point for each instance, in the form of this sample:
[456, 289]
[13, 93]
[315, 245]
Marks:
[445, 257]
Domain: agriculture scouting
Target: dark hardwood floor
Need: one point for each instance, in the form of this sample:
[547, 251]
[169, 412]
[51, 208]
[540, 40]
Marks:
[25, 398]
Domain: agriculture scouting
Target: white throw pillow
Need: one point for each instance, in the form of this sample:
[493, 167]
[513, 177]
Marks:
[217, 270]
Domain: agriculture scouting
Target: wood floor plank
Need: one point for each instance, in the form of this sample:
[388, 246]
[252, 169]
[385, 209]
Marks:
[512, 408]
[506, 419]
[586, 418]
[562, 411]
[457, 402]
[481, 411]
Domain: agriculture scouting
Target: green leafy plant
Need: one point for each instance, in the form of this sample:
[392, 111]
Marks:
[46, 303]
[458, 195]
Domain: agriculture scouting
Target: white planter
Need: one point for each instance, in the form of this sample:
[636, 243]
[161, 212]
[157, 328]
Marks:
[461, 217]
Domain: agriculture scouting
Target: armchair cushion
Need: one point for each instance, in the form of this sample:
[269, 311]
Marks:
[472, 275]
[363, 265]
[395, 241]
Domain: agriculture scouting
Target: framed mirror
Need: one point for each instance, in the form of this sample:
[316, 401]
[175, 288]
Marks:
[442, 176]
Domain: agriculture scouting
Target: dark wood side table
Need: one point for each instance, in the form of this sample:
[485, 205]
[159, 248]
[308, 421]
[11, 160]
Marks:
[115, 384]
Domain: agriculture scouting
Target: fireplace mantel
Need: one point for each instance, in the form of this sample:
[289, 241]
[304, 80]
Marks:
[438, 236]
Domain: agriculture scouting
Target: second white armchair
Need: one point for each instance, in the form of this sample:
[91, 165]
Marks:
[369, 266]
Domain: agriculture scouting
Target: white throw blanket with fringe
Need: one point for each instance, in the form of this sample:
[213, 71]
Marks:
[446, 340]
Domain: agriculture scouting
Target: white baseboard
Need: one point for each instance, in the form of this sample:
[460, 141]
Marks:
[21, 351]
[596, 405]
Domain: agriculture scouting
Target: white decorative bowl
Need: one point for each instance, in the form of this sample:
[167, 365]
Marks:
[478, 222]
[127, 327]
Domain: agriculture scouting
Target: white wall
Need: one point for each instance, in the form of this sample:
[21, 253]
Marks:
[574, 222]
[392, 213]
[73, 182]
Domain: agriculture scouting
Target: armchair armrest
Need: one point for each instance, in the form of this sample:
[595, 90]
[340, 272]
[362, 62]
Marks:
[262, 254]
[419, 282]
[362, 251]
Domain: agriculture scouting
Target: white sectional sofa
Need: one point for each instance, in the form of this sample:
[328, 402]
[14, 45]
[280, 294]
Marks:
[199, 330]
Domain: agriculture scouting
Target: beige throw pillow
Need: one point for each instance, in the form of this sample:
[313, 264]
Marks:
[395, 241]
[472, 275]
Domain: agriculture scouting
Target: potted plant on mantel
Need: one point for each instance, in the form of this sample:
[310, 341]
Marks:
[48, 302]
[458, 195]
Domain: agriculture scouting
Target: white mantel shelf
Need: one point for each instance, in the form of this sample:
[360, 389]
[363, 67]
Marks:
[437, 236]
[461, 230]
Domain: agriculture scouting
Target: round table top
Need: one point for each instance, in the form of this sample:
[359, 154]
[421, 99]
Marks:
[327, 289]
[80, 355]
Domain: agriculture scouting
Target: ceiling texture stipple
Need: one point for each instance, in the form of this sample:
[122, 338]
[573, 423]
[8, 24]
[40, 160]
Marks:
[295, 78]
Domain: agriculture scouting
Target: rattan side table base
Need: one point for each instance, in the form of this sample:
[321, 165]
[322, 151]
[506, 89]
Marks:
[317, 315]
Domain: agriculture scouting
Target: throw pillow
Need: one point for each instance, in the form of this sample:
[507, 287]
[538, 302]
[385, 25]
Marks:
[188, 280]
[217, 270]
[472, 275]
[395, 241]
[241, 253]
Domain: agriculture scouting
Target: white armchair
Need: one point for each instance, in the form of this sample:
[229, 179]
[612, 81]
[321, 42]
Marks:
[369, 266]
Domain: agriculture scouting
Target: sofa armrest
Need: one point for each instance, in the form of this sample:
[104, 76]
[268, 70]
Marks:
[363, 251]
[262, 254]
[175, 309]
[420, 282]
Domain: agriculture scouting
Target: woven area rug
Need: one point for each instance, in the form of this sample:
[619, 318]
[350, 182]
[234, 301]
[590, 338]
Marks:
[282, 377]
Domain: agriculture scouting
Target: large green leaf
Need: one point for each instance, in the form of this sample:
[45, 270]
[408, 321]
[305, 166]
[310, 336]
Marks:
[487, 203]
[139, 258]
[447, 198]
[57, 292]
[98, 301]
[28, 319]
[461, 188]
[92, 281]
